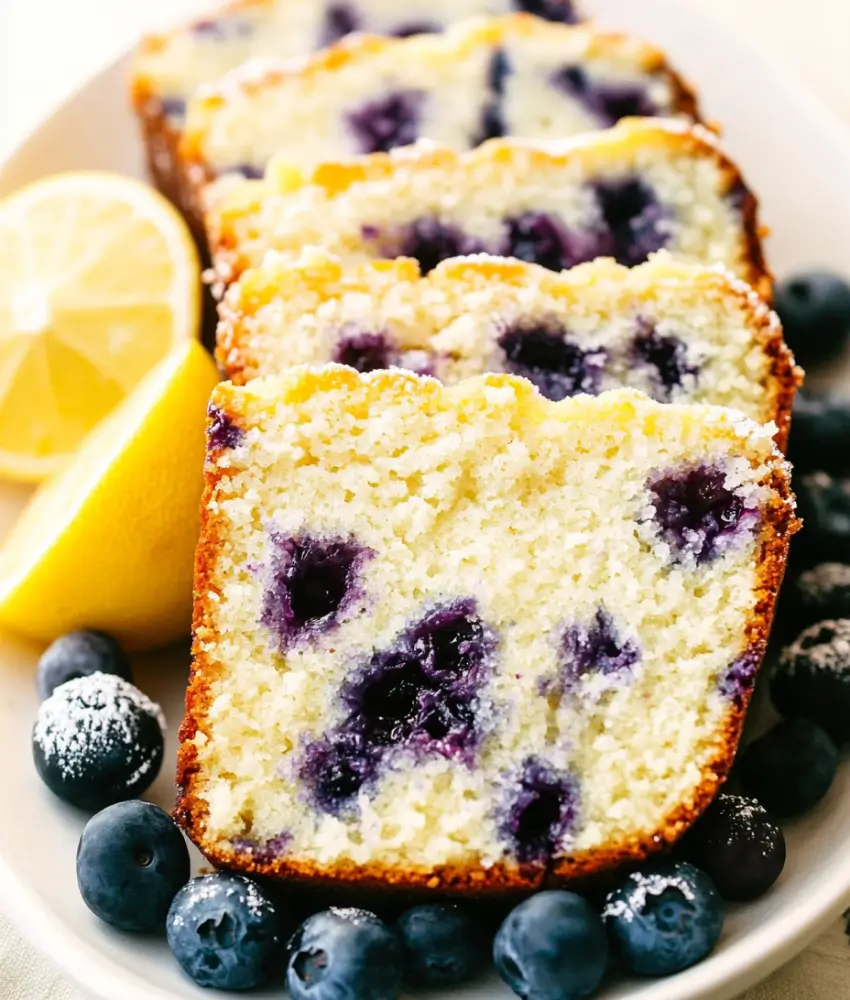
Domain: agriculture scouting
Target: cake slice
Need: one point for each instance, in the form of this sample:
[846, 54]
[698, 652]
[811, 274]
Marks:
[677, 331]
[626, 192]
[169, 67]
[513, 75]
[467, 639]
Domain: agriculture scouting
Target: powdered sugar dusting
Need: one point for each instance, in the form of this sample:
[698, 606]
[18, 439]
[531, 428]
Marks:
[643, 886]
[230, 891]
[90, 716]
[823, 647]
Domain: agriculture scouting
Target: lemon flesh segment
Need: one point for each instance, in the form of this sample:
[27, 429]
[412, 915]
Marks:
[109, 543]
[99, 280]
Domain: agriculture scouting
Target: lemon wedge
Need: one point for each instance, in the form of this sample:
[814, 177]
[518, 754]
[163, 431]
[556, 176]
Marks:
[109, 543]
[99, 280]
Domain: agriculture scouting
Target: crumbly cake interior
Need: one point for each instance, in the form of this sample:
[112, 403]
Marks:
[515, 75]
[175, 64]
[675, 331]
[467, 628]
[625, 193]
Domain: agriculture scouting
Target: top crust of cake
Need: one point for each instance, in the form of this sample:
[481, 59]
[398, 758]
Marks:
[263, 107]
[393, 463]
[331, 205]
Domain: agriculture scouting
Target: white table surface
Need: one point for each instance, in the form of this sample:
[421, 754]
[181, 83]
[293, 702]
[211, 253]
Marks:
[47, 47]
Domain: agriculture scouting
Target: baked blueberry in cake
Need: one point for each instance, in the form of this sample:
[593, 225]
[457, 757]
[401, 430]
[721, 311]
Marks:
[677, 331]
[466, 638]
[626, 192]
[515, 75]
[170, 67]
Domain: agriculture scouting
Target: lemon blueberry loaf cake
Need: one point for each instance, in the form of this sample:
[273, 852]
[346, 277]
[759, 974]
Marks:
[677, 331]
[625, 192]
[467, 638]
[513, 75]
[170, 67]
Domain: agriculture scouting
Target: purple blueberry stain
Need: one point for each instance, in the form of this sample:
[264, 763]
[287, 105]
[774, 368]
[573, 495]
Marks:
[335, 768]
[427, 240]
[263, 852]
[632, 221]
[222, 432]
[493, 122]
[223, 29]
[310, 583]
[387, 122]
[664, 357]
[340, 20]
[250, 171]
[538, 238]
[174, 107]
[607, 102]
[543, 813]
[738, 680]
[697, 514]
[422, 693]
[544, 354]
[367, 352]
[551, 10]
[416, 28]
[598, 647]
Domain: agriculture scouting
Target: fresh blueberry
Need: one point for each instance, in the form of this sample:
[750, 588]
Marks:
[738, 846]
[823, 502]
[131, 861]
[98, 740]
[814, 307]
[552, 947]
[817, 595]
[811, 680]
[664, 919]
[820, 430]
[443, 945]
[791, 768]
[225, 932]
[344, 955]
[79, 654]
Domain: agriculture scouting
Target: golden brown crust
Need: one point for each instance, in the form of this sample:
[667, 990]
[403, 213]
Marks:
[595, 151]
[778, 525]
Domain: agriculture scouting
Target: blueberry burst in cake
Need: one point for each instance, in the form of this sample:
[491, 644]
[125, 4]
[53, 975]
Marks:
[467, 638]
[516, 75]
[679, 332]
[625, 192]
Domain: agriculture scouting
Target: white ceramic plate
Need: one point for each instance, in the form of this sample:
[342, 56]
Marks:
[798, 160]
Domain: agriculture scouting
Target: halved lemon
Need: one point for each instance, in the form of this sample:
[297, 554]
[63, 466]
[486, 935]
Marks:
[99, 280]
[109, 543]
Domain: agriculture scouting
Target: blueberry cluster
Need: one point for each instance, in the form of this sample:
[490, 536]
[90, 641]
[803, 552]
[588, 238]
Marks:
[628, 224]
[422, 694]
